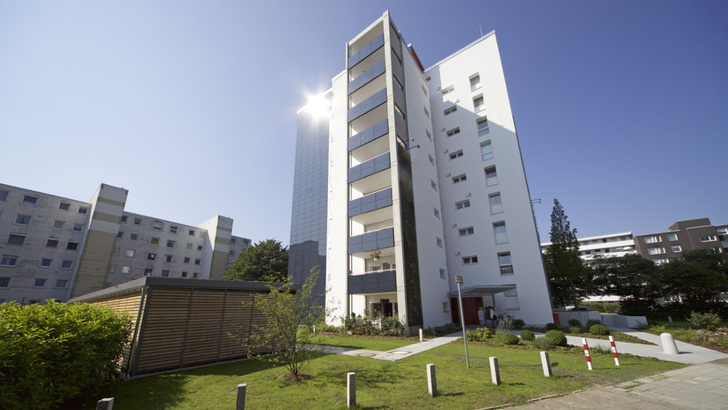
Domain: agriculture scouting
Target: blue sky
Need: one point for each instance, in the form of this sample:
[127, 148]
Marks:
[191, 105]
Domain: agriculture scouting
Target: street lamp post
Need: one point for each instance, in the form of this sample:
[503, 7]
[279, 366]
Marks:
[459, 281]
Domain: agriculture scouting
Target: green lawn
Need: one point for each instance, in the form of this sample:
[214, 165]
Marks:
[379, 343]
[381, 384]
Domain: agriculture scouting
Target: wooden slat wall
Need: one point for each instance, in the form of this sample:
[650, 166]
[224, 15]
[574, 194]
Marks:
[126, 303]
[164, 330]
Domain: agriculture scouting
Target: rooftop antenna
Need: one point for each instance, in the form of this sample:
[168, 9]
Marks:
[481, 29]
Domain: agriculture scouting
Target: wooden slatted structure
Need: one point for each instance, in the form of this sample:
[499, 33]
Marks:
[180, 323]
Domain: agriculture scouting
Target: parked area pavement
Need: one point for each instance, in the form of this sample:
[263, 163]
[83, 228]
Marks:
[396, 354]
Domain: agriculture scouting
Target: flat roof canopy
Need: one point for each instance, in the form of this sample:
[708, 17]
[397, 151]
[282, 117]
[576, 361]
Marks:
[482, 290]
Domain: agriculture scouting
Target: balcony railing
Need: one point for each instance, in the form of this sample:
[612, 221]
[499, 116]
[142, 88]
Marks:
[377, 200]
[368, 135]
[373, 282]
[383, 238]
[365, 51]
[374, 165]
[374, 72]
[379, 98]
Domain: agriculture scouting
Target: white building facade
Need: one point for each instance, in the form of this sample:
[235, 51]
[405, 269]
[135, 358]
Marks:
[56, 248]
[426, 183]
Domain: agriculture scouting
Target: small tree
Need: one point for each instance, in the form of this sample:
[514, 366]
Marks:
[698, 277]
[265, 261]
[287, 332]
[635, 279]
[569, 279]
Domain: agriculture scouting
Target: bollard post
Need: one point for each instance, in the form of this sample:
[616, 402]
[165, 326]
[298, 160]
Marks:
[421, 335]
[240, 404]
[669, 319]
[350, 390]
[614, 350]
[314, 329]
[546, 364]
[668, 344]
[586, 353]
[431, 380]
[105, 404]
[494, 372]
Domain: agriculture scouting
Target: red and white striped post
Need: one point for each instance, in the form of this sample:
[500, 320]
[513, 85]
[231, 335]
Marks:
[586, 352]
[614, 350]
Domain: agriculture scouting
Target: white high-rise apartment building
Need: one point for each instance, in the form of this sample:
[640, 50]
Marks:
[57, 248]
[426, 183]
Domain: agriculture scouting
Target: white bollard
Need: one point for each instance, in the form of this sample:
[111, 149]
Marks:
[350, 390]
[314, 329]
[431, 381]
[105, 404]
[421, 335]
[546, 364]
[669, 319]
[240, 404]
[586, 353]
[494, 372]
[668, 344]
[614, 350]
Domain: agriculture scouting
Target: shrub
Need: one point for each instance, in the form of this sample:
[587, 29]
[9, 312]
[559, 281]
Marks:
[543, 343]
[575, 329]
[391, 326]
[599, 330]
[527, 335]
[557, 337]
[518, 324]
[504, 325]
[52, 353]
[592, 322]
[509, 338]
[574, 323]
[707, 321]
[552, 326]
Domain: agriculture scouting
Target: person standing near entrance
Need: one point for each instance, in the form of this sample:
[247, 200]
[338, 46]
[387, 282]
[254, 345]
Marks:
[492, 316]
[481, 316]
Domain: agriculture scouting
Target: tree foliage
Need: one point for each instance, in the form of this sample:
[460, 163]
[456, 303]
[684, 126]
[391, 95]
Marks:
[290, 316]
[633, 278]
[55, 352]
[569, 279]
[265, 261]
[698, 277]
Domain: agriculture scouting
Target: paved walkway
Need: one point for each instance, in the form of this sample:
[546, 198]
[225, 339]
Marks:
[399, 353]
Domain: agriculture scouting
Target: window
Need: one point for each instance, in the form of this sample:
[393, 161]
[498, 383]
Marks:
[66, 264]
[8, 260]
[448, 89]
[434, 185]
[486, 150]
[72, 246]
[130, 253]
[424, 90]
[504, 261]
[499, 229]
[708, 238]
[676, 249]
[470, 260]
[137, 221]
[197, 261]
[120, 235]
[82, 210]
[22, 219]
[125, 269]
[151, 256]
[45, 262]
[172, 229]
[184, 274]
[4, 195]
[165, 273]
[652, 239]
[39, 283]
[462, 204]
[456, 154]
[4, 282]
[187, 260]
[61, 283]
[170, 244]
[133, 236]
[189, 245]
[148, 272]
[16, 240]
[199, 247]
[491, 176]
[438, 241]
[58, 224]
[510, 293]
[655, 251]
[123, 218]
[450, 110]
[437, 213]
[466, 231]
[475, 82]
[659, 262]
[192, 232]
[721, 231]
[52, 243]
[478, 103]
[429, 136]
[427, 113]
[459, 178]
[401, 87]
[496, 206]
[64, 206]
[432, 160]
[154, 241]
[196, 275]
[483, 126]
[453, 131]
[672, 237]
[157, 226]
[168, 258]
[77, 228]
[30, 200]
[398, 111]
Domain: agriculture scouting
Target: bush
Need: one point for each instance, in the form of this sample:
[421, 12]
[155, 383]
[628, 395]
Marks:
[527, 335]
[504, 325]
[599, 330]
[592, 322]
[552, 326]
[557, 337]
[391, 326]
[707, 321]
[543, 343]
[576, 329]
[52, 353]
[509, 339]
[518, 324]
[574, 323]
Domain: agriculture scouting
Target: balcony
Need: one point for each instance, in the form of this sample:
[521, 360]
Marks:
[365, 51]
[373, 282]
[374, 72]
[370, 241]
[379, 98]
[370, 167]
[369, 134]
[372, 202]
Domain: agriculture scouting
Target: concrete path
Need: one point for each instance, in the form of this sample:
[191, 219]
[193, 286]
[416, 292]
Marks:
[396, 354]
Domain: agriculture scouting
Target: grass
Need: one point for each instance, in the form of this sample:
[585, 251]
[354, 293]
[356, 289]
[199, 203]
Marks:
[618, 337]
[382, 384]
[684, 324]
[379, 343]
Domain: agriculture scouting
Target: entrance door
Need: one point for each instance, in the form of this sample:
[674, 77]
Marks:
[387, 308]
[470, 310]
